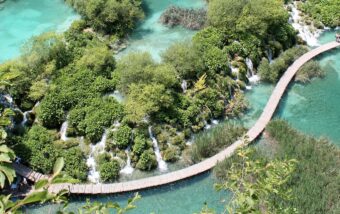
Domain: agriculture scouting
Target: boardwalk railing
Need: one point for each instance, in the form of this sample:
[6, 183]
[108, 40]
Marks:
[203, 166]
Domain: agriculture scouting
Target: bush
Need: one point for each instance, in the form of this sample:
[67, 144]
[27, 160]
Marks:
[273, 72]
[109, 171]
[309, 71]
[211, 142]
[171, 154]
[147, 161]
[122, 137]
[75, 163]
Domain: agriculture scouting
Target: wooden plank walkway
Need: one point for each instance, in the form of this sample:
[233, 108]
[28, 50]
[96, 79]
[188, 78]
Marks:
[203, 166]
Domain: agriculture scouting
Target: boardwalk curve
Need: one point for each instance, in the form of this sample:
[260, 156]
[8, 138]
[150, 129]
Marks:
[206, 164]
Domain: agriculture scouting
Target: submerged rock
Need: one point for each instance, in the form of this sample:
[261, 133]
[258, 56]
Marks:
[193, 19]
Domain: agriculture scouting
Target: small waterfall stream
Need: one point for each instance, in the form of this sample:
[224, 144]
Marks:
[162, 166]
[184, 86]
[252, 77]
[128, 169]
[63, 131]
[99, 148]
[305, 32]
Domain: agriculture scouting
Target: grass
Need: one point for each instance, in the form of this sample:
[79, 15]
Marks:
[211, 142]
[315, 183]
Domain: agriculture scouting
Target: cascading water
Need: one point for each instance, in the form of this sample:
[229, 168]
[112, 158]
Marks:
[305, 32]
[99, 148]
[252, 77]
[162, 166]
[25, 119]
[128, 169]
[117, 95]
[269, 55]
[184, 86]
[63, 131]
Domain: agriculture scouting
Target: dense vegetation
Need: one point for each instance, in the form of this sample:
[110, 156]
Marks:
[271, 72]
[211, 142]
[315, 181]
[326, 12]
[114, 17]
[72, 77]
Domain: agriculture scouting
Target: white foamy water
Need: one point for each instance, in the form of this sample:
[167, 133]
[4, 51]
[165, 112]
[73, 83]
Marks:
[184, 86]
[118, 96]
[162, 166]
[128, 169]
[99, 148]
[25, 117]
[305, 32]
[63, 130]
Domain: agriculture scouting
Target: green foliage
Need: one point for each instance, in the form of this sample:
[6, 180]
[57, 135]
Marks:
[309, 71]
[75, 164]
[255, 182]
[209, 143]
[37, 145]
[315, 182]
[7, 173]
[272, 72]
[145, 100]
[140, 145]
[147, 161]
[92, 119]
[138, 68]
[326, 11]
[109, 171]
[110, 16]
[39, 193]
[122, 136]
[185, 58]
[171, 154]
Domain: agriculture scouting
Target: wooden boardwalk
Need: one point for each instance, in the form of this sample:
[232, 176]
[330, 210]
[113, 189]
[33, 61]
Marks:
[205, 165]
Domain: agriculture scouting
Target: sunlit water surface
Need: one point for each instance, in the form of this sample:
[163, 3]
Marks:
[22, 19]
[311, 108]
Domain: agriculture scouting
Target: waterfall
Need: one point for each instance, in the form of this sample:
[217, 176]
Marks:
[99, 148]
[304, 30]
[63, 131]
[234, 70]
[270, 55]
[184, 86]
[25, 119]
[207, 125]
[128, 169]
[117, 95]
[252, 77]
[162, 166]
[250, 67]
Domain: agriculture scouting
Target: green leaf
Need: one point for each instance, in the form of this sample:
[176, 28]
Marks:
[35, 197]
[40, 184]
[58, 166]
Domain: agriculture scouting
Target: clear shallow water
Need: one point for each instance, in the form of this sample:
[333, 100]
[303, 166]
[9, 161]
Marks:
[312, 108]
[315, 108]
[184, 197]
[152, 36]
[21, 19]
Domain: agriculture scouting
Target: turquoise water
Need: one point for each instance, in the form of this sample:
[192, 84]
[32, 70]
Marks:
[314, 108]
[21, 19]
[311, 108]
[184, 197]
[153, 37]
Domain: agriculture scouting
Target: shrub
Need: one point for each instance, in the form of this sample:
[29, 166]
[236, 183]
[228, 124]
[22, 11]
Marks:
[75, 163]
[171, 154]
[309, 71]
[109, 171]
[121, 137]
[211, 142]
[147, 161]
